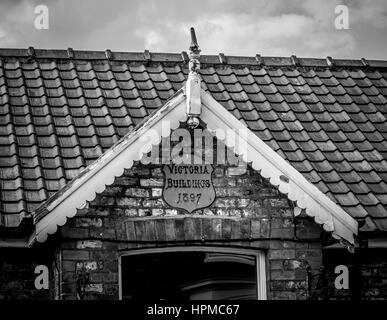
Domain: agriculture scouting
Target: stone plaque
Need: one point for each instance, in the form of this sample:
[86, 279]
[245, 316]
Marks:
[188, 186]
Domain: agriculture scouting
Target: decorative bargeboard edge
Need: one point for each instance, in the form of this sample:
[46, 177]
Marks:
[279, 172]
[103, 172]
[253, 150]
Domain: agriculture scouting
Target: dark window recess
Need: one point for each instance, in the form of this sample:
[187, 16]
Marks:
[189, 276]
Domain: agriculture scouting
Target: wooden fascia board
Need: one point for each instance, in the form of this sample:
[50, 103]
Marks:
[275, 168]
[263, 158]
[110, 165]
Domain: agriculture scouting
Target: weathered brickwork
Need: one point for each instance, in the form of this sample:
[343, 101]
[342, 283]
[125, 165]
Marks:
[373, 272]
[367, 274]
[131, 214]
[248, 213]
[17, 275]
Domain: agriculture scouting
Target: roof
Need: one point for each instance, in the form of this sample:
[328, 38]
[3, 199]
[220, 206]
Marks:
[60, 110]
[179, 109]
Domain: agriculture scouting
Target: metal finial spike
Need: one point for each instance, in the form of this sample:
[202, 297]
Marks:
[192, 86]
[194, 47]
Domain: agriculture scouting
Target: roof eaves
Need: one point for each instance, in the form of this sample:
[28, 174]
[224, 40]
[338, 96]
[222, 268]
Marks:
[82, 188]
[280, 173]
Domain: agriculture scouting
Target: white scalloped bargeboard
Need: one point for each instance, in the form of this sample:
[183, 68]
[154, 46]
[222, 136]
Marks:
[271, 166]
[109, 166]
[254, 151]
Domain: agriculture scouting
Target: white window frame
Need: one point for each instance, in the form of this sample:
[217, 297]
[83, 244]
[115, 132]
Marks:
[258, 254]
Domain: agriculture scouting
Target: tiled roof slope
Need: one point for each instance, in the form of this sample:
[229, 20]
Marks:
[60, 110]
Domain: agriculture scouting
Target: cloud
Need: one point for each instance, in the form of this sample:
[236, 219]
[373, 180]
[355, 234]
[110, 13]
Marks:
[304, 28]
[14, 16]
[283, 34]
[372, 12]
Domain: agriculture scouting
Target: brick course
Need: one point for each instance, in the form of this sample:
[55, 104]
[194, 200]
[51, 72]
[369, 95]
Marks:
[17, 275]
[248, 212]
[367, 274]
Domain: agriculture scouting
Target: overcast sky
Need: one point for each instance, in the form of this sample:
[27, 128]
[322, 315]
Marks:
[234, 27]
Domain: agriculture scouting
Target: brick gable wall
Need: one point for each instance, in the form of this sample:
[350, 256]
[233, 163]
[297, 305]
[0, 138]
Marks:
[131, 214]
[17, 275]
